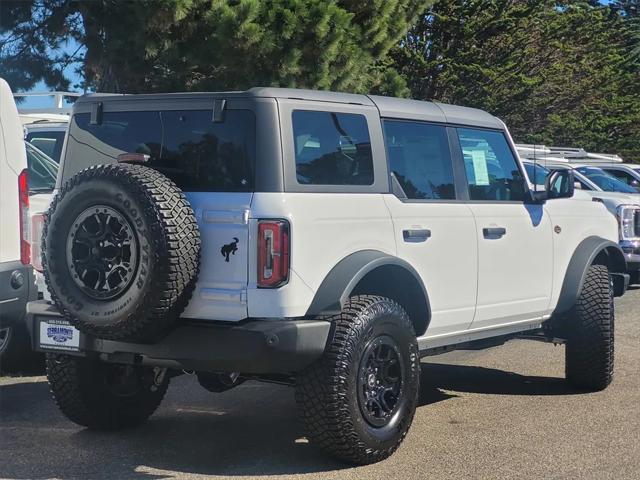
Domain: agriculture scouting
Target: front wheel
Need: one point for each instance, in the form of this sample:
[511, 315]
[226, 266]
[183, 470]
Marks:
[358, 401]
[105, 396]
[590, 337]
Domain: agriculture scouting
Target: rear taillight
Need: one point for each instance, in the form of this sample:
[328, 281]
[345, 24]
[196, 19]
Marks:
[23, 198]
[273, 253]
[37, 225]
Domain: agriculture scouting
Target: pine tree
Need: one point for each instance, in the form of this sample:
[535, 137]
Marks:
[169, 45]
[556, 73]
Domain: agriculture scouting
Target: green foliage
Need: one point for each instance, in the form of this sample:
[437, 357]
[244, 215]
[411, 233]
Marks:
[164, 45]
[561, 74]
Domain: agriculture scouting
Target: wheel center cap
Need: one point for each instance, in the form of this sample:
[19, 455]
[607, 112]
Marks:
[95, 251]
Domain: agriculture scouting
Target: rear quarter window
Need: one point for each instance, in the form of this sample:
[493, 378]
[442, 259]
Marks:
[186, 146]
[332, 148]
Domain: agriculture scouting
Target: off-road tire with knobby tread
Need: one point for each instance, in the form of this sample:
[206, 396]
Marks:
[326, 391]
[589, 352]
[80, 388]
[169, 252]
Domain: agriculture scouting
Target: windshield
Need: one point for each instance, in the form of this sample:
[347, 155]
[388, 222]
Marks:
[606, 182]
[42, 170]
[536, 173]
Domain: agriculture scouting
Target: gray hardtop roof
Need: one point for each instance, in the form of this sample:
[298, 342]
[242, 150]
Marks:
[391, 107]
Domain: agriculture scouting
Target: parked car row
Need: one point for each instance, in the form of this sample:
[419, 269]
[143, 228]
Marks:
[322, 240]
[594, 177]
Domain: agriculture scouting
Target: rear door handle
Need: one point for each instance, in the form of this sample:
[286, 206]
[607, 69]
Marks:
[416, 235]
[493, 233]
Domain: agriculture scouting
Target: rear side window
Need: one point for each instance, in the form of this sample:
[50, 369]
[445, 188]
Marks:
[492, 170]
[48, 142]
[332, 148]
[42, 170]
[186, 146]
[420, 159]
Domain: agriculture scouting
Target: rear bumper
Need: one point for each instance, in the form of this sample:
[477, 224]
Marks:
[16, 289]
[252, 347]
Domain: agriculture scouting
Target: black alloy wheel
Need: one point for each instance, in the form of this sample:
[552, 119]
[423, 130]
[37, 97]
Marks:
[102, 252]
[380, 381]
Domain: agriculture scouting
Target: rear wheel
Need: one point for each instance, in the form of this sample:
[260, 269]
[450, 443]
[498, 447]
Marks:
[589, 352]
[105, 396]
[358, 401]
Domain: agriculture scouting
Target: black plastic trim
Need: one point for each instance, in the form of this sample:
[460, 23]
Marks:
[17, 287]
[341, 281]
[583, 257]
[251, 347]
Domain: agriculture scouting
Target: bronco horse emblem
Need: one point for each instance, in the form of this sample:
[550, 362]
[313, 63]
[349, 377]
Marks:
[229, 249]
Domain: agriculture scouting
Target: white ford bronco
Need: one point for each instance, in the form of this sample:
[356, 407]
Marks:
[324, 240]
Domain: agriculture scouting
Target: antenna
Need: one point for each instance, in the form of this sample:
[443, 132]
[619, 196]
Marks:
[535, 169]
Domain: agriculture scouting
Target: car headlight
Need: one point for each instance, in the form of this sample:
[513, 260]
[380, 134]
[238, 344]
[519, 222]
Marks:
[629, 220]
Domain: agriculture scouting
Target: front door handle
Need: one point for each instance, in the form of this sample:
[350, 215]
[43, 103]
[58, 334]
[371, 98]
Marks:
[493, 233]
[416, 235]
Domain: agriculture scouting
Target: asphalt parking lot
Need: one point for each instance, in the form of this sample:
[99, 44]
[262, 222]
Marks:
[498, 413]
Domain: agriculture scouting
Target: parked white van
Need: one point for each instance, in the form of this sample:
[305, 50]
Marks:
[16, 275]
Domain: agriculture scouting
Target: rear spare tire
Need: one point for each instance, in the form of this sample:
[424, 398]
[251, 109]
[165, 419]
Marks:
[121, 250]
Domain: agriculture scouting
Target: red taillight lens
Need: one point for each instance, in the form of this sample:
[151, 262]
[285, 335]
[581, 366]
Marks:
[273, 253]
[23, 198]
[37, 225]
[133, 158]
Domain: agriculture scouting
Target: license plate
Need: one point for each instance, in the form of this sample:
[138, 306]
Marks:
[59, 335]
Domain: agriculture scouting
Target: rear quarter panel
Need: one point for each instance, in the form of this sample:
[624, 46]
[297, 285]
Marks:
[325, 228]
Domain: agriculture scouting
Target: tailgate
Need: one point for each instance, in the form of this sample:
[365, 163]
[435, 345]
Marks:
[221, 291]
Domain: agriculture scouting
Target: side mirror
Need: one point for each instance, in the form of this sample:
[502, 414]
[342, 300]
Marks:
[560, 184]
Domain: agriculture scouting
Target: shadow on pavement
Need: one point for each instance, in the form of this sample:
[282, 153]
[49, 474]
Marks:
[251, 430]
[471, 379]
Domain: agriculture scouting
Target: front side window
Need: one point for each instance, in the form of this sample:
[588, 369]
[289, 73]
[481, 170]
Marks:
[492, 171]
[420, 159]
[625, 177]
[186, 146]
[606, 182]
[332, 148]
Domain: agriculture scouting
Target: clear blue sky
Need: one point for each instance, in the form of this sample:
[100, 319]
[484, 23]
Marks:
[69, 72]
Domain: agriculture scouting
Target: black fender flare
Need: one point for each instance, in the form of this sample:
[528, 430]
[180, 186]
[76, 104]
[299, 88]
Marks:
[583, 257]
[336, 287]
